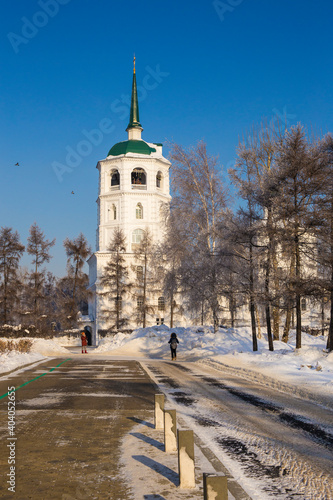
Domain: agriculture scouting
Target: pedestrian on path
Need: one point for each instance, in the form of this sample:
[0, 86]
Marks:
[173, 345]
[84, 342]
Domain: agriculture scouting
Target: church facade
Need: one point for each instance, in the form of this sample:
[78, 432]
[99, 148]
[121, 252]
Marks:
[133, 189]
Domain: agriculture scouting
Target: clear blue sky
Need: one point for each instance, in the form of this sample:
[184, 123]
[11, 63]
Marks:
[206, 71]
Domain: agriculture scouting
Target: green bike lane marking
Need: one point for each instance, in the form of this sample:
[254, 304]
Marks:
[36, 378]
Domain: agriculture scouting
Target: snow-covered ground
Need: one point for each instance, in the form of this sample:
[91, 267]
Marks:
[309, 367]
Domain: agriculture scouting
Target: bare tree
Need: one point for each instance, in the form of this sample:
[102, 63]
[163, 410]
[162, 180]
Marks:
[75, 283]
[39, 247]
[246, 233]
[325, 231]
[297, 184]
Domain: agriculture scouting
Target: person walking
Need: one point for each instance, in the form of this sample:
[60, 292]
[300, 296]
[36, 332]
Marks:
[84, 342]
[173, 345]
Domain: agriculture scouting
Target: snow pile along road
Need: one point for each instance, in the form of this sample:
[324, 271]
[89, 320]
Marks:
[11, 360]
[40, 349]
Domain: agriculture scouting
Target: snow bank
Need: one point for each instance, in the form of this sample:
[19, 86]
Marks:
[48, 347]
[40, 349]
[12, 360]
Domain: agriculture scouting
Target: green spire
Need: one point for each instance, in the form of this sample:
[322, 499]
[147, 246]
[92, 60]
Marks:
[134, 115]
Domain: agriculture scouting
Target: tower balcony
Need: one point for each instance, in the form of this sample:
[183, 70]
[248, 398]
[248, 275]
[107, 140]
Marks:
[139, 186]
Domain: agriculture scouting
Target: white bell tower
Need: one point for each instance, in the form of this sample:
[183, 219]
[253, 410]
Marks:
[133, 188]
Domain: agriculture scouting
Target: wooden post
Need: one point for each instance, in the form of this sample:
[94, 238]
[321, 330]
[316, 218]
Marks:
[186, 459]
[215, 487]
[170, 431]
[159, 411]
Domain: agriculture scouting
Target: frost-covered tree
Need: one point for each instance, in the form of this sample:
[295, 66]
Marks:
[254, 167]
[11, 251]
[115, 283]
[199, 193]
[170, 255]
[144, 269]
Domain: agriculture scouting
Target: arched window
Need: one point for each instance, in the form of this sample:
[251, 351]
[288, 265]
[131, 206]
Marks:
[139, 211]
[303, 304]
[137, 236]
[139, 273]
[138, 178]
[114, 212]
[115, 178]
[159, 179]
[161, 304]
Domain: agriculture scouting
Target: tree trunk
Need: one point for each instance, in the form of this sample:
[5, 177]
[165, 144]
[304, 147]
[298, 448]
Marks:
[171, 310]
[252, 304]
[202, 313]
[276, 310]
[74, 288]
[298, 295]
[232, 311]
[5, 297]
[216, 321]
[269, 330]
[253, 327]
[267, 300]
[144, 293]
[298, 322]
[330, 331]
[36, 289]
[258, 323]
[276, 323]
[285, 336]
[72, 307]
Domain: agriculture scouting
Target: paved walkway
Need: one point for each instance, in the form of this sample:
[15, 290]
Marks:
[84, 430]
[69, 426]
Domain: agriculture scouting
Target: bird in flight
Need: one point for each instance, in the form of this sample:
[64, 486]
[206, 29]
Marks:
[72, 192]
[17, 164]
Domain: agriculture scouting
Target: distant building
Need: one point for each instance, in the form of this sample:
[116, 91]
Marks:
[133, 188]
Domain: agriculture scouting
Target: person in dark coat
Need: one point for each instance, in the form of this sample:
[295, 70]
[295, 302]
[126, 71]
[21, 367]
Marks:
[173, 345]
[84, 342]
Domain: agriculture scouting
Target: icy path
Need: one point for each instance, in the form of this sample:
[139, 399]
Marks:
[275, 445]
